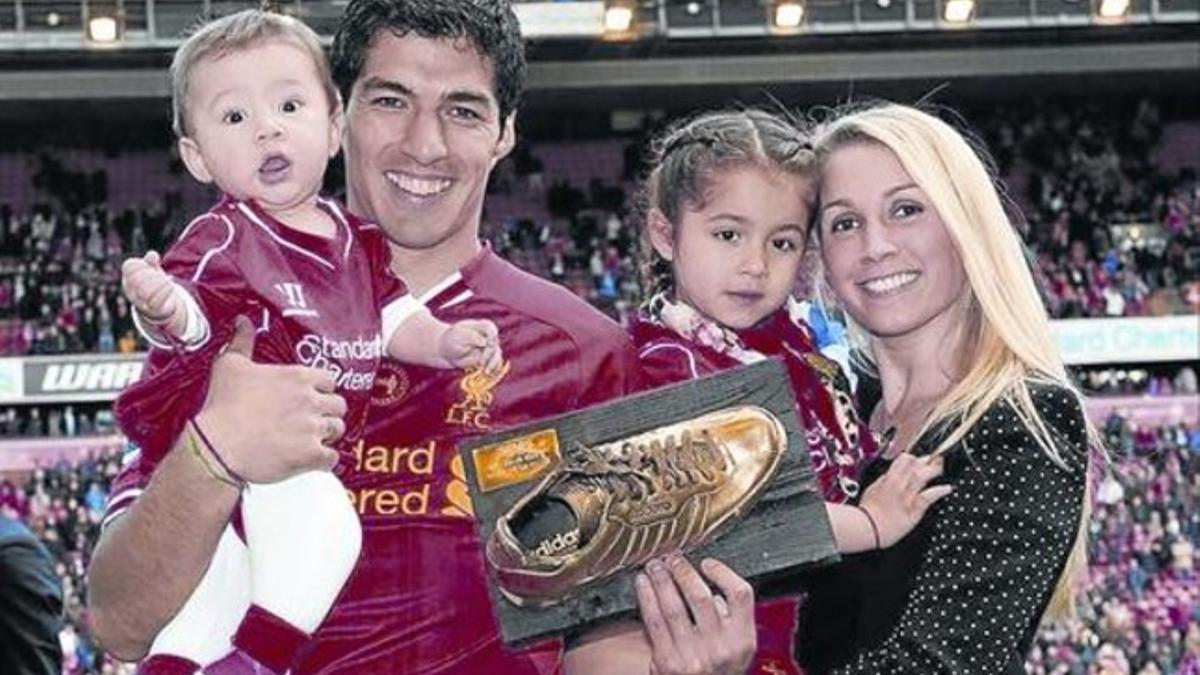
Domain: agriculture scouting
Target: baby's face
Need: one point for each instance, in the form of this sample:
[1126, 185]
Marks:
[261, 125]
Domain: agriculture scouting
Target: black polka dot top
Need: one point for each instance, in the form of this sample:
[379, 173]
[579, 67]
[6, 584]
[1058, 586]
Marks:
[965, 590]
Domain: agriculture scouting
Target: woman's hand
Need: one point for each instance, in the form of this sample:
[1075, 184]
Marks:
[691, 629]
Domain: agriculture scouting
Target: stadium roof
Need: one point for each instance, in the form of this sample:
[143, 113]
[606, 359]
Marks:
[729, 43]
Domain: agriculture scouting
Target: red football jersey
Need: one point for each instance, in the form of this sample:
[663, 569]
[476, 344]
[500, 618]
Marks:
[418, 600]
[838, 441]
[315, 301]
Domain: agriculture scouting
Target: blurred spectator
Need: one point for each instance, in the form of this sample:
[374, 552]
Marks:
[530, 169]
[31, 603]
[63, 506]
[71, 420]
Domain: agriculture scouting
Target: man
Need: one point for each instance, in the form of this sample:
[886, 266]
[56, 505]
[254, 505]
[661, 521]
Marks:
[431, 88]
[31, 604]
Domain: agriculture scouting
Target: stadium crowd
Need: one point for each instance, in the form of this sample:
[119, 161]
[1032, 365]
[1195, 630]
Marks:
[60, 279]
[56, 420]
[1141, 613]
[1127, 380]
[1111, 232]
[1109, 228]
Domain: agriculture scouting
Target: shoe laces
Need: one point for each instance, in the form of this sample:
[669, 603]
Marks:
[642, 470]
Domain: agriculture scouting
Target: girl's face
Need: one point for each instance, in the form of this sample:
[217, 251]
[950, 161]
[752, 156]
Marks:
[736, 256]
[887, 254]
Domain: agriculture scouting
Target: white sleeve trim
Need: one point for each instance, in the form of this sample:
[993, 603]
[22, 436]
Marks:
[119, 503]
[195, 329]
[396, 313]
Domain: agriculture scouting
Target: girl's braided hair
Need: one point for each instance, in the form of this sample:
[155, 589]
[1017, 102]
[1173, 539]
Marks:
[684, 158]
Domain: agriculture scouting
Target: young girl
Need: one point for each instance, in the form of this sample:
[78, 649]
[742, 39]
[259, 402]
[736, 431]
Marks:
[726, 211]
[258, 115]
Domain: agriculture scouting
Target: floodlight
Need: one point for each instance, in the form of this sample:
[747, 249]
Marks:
[788, 14]
[102, 29]
[618, 16]
[1111, 10]
[103, 21]
[958, 11]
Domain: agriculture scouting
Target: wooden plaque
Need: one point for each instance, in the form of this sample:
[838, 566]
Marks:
[784, 532]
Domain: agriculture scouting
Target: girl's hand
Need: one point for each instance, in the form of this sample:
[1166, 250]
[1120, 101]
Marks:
[899, 499]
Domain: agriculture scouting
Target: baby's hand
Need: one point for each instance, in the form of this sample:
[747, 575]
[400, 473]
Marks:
[472, 344]
[899, 499]
[152, 294]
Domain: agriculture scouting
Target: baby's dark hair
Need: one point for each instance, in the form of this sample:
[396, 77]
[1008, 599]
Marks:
[683, 159]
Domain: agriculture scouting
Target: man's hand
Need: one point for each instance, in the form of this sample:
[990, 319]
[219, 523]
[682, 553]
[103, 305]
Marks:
[270, 422]
[693, 631]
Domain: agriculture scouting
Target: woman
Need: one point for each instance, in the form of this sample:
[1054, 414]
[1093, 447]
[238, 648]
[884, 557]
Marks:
[919, 254]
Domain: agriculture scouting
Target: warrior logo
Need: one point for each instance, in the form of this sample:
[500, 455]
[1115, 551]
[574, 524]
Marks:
[293, 294]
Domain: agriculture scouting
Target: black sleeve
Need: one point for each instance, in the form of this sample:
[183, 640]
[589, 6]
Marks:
[998, 545]
[31, 606]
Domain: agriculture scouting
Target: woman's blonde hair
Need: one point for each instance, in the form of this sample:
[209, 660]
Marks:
[1008, 331]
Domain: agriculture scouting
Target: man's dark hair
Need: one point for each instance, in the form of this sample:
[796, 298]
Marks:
[490, 26]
